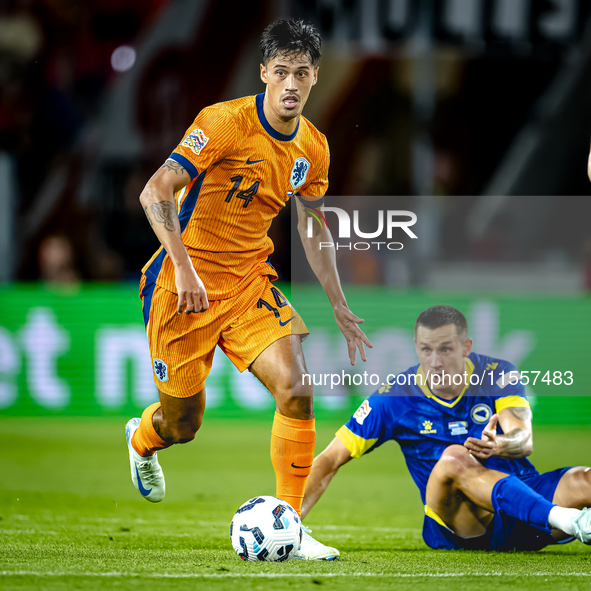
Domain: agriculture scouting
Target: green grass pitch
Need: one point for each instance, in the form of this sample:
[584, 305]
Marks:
[71, 519]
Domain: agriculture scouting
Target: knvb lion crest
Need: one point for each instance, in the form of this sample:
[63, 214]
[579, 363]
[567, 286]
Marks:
[161, 370]
[299, 172]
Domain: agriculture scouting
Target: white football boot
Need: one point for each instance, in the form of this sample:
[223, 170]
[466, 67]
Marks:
[582, 526]
[146, 473]
[311, 549]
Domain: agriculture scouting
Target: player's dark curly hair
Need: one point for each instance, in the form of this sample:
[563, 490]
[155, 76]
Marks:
[438, 316]
[291, 38]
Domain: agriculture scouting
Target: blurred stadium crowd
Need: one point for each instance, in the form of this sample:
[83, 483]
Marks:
[55, 68]
[472, 113]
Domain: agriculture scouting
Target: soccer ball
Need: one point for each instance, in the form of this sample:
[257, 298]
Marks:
[266, 528]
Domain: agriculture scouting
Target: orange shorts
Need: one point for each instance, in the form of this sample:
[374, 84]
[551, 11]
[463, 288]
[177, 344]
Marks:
[182, 345]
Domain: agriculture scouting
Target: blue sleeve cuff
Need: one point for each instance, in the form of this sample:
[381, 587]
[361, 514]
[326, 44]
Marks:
[185, 163]
[317, 203]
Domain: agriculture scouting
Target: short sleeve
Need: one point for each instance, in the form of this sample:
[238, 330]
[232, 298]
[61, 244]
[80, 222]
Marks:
[366, 429]
[312, 193]
[210, 138]
[508, 388]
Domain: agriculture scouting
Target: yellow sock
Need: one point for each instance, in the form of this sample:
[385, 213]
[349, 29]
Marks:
[292, 454]
[145, 440]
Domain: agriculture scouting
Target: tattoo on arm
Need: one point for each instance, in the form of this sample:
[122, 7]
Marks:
[521, 413]
[148, 216]
[173, 166]
[164, 212]
[512, 443]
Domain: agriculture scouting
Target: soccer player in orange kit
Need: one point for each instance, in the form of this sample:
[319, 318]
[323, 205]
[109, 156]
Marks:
[211, 205]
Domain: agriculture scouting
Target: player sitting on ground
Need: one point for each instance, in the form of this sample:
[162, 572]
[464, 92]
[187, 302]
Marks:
[479, 490]
[211, 205]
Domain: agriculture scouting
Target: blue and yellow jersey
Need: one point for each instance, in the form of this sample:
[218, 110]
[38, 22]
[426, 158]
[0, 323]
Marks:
[242, 173]
[424, 425]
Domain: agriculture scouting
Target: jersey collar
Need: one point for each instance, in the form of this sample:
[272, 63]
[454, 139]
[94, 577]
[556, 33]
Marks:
[272, 132]
[422, 384]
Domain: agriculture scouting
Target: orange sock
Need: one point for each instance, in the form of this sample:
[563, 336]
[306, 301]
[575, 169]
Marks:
[145, 440]
[292, 454]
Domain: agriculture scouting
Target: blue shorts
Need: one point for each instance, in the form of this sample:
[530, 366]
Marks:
[504, 533]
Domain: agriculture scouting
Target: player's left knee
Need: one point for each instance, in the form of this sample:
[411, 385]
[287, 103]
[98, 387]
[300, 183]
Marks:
[184, 431]
[295, 401]
[575, 488]
[454, 462]
[584, 478]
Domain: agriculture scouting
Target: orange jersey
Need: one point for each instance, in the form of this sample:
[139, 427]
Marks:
[243, 172]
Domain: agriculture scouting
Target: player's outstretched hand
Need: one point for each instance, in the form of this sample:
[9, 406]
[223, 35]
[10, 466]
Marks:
[191, 290]
[487, 446]
[356, 339]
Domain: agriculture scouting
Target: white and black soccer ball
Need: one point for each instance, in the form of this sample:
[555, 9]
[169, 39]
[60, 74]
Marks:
[266, 528]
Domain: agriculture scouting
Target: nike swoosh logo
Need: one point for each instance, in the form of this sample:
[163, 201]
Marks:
[287, 321]
[249, 161]
[143, 490]
[294, 466]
